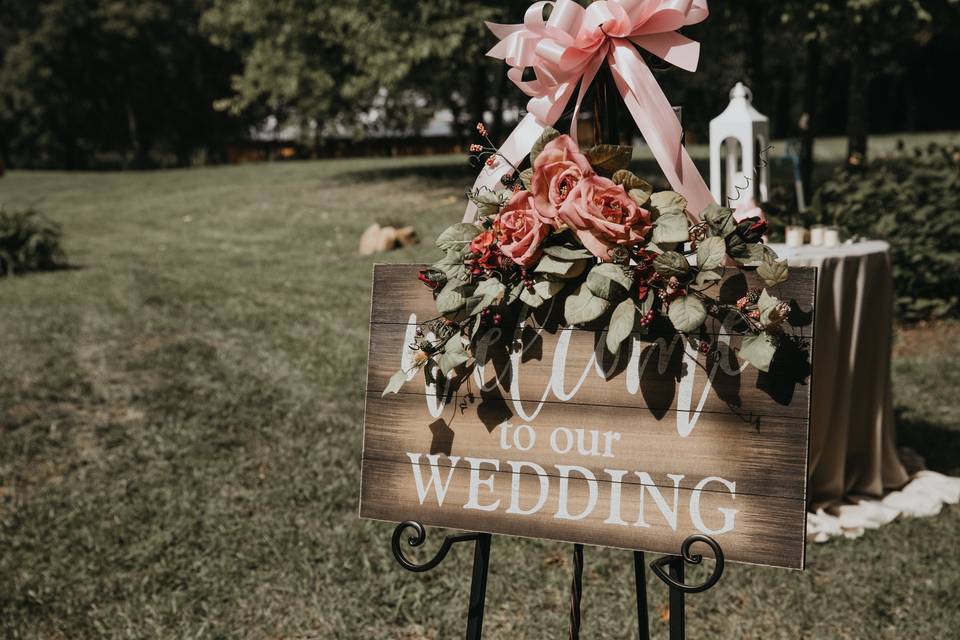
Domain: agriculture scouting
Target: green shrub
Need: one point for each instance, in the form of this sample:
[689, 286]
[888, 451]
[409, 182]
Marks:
[912, 201]
[28, 242]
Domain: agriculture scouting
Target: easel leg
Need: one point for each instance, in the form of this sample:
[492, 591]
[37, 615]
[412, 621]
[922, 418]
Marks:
[677, 614]
[640, 577]
[575, 591]
[478, 586]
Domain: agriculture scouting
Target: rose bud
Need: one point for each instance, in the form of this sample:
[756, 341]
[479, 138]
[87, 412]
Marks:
[752, 229]
[433, 278]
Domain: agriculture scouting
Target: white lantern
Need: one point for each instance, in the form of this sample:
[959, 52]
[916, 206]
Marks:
[741, 134]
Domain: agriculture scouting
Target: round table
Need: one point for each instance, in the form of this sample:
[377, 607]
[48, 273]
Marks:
[854, 464]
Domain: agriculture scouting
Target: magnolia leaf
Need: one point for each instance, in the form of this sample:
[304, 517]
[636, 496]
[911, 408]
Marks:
[567, 252]
[540, 292]
[395, 383]
[671, 263]
[609, 281]
[639, 196]
[668, 202]
[549, 134]
[622, 321]
[720, 219]
[671, 228]
[453, 356]
[561, 268]
[687, 314]
[706, 277]
[607, 159]
[458, 237]
[631, 182]
[711, 252]
[772, 271]
[758, 350]
[582, 307]
[526, 177]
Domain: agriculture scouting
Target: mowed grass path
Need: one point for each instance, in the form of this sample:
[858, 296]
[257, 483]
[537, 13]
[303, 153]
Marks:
[180, 434]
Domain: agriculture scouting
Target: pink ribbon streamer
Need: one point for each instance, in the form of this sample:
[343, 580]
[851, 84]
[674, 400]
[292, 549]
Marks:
[568, 50]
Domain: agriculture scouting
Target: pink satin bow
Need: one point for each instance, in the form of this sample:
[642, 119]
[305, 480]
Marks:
[569, 48]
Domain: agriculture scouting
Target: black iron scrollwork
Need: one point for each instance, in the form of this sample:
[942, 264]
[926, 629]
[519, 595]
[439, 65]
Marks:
[419, 537]
[658, 565]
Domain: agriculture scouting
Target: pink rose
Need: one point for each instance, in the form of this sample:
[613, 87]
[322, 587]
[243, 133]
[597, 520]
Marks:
[604, 216]
[519, 230]
[558, 170]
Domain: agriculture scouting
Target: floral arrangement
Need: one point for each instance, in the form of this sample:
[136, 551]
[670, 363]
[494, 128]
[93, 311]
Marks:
[579, 229]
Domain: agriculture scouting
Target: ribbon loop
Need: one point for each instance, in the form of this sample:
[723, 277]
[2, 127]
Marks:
[568, 49]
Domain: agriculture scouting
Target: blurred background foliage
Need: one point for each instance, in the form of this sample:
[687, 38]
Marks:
[137, 83]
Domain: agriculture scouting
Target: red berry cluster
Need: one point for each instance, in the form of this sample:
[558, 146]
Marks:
[647, 318]
[488, 317]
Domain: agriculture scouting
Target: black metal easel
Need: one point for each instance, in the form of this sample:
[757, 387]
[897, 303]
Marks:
[672, 576]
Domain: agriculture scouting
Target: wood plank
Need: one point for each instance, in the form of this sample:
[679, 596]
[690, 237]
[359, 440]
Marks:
[768, 458]
[644, 375]
[765, 530]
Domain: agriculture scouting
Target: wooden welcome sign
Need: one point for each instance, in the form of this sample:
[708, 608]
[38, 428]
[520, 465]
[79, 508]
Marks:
[555, 438]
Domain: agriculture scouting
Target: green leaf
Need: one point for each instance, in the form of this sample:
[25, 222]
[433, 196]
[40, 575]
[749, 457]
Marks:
[642, 198]
[549, 134]
[665, 203]
[453, 356]
[671, 228]
[609, 281]
[452, 298]
[488, 202]
[541, 291]
[582, 307]
[622, 321]
[560, 268]
[631, 182]
[458, 237]
[526, 177]
[453, 266]
[747, 255]
[772, 271]
[711, 253]
[567, 252]
[671, 263]
[489, 291]
[758, 350]
[706, 277]
[687, 314]
[395, 383]
[766, 301]
[607, 159]
[720, 219]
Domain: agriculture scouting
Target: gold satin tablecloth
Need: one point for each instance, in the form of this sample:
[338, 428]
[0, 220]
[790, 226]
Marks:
[853, 452]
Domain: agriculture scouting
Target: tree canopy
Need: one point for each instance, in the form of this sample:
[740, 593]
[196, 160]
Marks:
[130, 82]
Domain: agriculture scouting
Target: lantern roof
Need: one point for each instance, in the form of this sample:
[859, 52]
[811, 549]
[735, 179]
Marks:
[740, 108]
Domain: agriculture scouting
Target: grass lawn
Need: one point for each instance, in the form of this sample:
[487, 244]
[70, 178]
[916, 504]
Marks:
[180, 430]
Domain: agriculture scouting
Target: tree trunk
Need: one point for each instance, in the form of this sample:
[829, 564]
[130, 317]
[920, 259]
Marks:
[756, 53]
[858, 105]
[809, 120]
